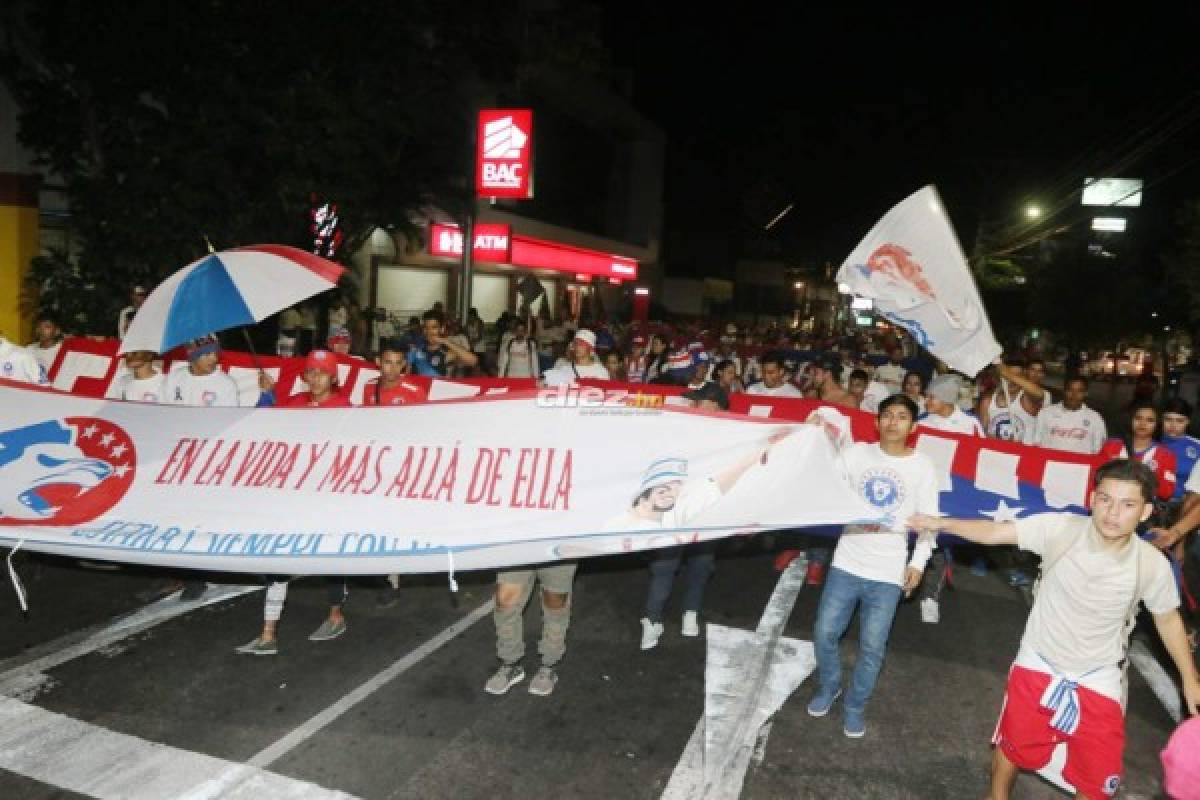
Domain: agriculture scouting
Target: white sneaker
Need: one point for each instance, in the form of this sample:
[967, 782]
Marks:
[691, 627]
[650, 633]
[930, 613]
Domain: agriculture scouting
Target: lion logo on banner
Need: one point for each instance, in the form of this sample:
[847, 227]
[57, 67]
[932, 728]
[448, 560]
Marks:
[895, 274]
[63, 472]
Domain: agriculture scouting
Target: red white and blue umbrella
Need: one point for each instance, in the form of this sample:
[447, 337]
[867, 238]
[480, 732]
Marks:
[224, 290]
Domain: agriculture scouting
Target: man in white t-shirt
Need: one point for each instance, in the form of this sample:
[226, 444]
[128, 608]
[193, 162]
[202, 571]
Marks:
[141, 382]
[871, 566]
[581, 362]
[1009, 410]
[518, 354]
[47, 342]
[1071, 425]
[1066, 686]
[137, 296]
[18, 364]
[869, 393]
[941, 408]
[774, 381]
[202, 382]
[666, 499]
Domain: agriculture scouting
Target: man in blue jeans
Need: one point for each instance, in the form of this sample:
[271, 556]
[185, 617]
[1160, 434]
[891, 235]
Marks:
[871, 566]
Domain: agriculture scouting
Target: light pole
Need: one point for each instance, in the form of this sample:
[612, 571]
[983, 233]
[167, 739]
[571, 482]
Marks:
[801, 288]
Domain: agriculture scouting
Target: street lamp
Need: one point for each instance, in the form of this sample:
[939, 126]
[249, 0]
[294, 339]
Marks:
[800, 307]
[1032, 211]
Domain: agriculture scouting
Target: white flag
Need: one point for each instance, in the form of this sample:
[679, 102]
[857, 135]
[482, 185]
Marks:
[913, 267]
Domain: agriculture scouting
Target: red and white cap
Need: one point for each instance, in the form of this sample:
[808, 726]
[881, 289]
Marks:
[587, 337]
[338, 334]
[322, 361]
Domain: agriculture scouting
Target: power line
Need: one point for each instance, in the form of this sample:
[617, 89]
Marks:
[1046, 234]
[1150, 140]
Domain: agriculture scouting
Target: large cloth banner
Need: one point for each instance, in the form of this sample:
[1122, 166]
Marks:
[527, 477]
[913, 268]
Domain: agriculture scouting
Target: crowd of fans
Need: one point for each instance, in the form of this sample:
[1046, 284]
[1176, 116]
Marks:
[883, 374]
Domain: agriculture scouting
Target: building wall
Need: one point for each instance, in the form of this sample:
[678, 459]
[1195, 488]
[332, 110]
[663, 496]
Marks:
[19, 229]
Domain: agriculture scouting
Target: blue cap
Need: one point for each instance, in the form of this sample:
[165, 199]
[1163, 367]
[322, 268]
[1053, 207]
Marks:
[662, 472]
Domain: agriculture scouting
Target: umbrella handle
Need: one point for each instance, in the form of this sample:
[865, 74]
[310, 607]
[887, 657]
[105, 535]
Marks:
[253, 354]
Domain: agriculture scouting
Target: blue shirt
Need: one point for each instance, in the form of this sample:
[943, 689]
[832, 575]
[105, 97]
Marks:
[1187, 453]
[424, 360]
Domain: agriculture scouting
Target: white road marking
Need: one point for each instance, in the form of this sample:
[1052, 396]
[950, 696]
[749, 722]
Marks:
[1157, 678]
[22, 676]
[87, 759]
[283, 746]
[747, 678]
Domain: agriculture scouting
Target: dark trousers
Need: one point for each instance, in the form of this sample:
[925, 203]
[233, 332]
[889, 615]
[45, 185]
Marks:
[699, 566]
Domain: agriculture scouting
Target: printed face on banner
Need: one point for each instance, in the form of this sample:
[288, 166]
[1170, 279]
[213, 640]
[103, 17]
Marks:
[63, 471]
[892, 264]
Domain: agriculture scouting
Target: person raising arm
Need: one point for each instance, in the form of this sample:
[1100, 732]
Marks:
[1072, 655]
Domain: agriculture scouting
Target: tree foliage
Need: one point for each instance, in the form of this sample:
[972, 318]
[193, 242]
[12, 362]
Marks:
[171, 122]
[1184, 263]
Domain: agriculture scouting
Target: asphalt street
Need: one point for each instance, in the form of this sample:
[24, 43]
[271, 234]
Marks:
[396, 709]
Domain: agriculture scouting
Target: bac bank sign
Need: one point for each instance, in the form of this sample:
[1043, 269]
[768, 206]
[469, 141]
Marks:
[504, 153]
[493, 242]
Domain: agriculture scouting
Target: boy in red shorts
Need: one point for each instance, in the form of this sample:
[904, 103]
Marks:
[1066, 686]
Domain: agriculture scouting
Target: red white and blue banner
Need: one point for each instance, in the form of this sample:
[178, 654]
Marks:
[913, 268]
[529, 477]
[978, 477]
[90, 368]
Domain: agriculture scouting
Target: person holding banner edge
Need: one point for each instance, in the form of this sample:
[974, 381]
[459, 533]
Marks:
[320, 373]
[667, 500]
[871, 566]
[203, 383]
[1066, 686]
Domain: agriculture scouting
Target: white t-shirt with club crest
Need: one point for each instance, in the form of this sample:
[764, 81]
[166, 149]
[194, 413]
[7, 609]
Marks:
[182, 388]
[141, 390]
[899, 486]
[18, 364]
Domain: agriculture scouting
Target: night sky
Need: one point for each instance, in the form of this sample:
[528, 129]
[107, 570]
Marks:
[847, 114]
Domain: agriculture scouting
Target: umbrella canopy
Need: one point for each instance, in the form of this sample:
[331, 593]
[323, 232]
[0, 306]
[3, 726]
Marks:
[224, 290]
